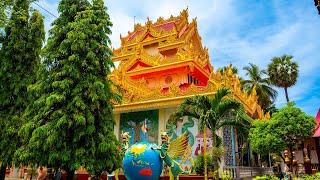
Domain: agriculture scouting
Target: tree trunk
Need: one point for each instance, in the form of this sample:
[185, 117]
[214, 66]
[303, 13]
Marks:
[286, 92]
[215, 161]
[2, 172]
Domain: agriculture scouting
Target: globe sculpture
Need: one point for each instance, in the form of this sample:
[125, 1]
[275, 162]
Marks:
[142, 162]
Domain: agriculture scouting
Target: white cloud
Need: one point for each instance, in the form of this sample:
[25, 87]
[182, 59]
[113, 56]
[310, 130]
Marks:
[235, 36]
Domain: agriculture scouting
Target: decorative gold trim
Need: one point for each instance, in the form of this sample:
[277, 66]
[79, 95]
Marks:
[183, 36]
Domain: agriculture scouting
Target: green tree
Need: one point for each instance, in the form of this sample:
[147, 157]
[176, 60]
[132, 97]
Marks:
[214, 113]
[19, 54]
[5, 6]
[283, 72]
[72, 121]
[258, 79]
[282, 131]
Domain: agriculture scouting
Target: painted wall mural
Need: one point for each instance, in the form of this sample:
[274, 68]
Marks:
[141, 125]
[196, 142]
[189, 125]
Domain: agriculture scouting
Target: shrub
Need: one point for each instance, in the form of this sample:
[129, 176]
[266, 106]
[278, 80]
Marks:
[265, 177]
[226, 175]
[310, 177]
[199, 164]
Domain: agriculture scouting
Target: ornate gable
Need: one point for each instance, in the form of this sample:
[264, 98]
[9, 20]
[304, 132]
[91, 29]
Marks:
[164, 62]
[139, 64]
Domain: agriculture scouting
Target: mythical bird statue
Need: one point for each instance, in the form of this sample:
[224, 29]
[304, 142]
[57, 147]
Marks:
[172, 150]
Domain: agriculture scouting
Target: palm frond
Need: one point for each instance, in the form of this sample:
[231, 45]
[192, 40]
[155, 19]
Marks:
[228, 105]
[220, 94]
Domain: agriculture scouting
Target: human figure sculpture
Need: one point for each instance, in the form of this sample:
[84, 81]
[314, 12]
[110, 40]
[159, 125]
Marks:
[41, 173]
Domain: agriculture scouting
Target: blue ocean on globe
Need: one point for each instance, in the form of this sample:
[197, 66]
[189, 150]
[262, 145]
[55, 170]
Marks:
[141, 162]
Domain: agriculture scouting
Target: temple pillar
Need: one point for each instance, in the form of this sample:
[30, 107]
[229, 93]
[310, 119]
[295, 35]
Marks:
[117, 125]
[162, 123]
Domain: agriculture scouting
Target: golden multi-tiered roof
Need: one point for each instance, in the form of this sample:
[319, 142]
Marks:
[163, 62]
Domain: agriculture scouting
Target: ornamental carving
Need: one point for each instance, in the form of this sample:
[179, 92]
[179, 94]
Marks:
[176, 48]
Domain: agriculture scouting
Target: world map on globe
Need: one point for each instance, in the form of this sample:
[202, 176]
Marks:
[142, 162]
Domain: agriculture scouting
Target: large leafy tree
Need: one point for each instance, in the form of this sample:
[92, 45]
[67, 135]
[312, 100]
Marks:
[5, 6]
[19, 57]
[282, 131]
[72, 121]
[283, 72]
[214, 113]
[259, 81]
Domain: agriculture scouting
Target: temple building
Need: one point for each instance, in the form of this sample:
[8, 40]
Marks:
[160, 64]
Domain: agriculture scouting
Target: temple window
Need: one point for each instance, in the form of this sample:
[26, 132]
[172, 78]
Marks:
[169, 52]
[152, 49]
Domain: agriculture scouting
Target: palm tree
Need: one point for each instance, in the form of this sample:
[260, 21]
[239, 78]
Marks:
[258, 79]
[283, 72]
[212, 112]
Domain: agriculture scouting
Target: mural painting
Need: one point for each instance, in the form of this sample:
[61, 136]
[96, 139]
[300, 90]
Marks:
[141, 125]
[189, 125]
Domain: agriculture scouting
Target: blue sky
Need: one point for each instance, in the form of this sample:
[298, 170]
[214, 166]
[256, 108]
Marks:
[238, 32]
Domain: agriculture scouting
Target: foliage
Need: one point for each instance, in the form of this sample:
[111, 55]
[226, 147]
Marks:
[5, 6]
[309, 177]
[19, 55]
[199, 164]
[265, 177]
[283, 130]
[283, 72]
[216, 153]
[71, 122]
[226, 175]
[215, 113]
[271, 109]
[259, 81]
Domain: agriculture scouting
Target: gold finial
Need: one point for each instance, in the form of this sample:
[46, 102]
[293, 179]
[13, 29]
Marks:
[267, 115]
[229, 70]
[160, 20]
[122, 40]
[148, 23]
[194, 21]
[137, 26]
[184, 13]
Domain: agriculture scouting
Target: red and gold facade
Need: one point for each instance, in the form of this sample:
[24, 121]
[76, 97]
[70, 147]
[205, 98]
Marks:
[163, 62]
